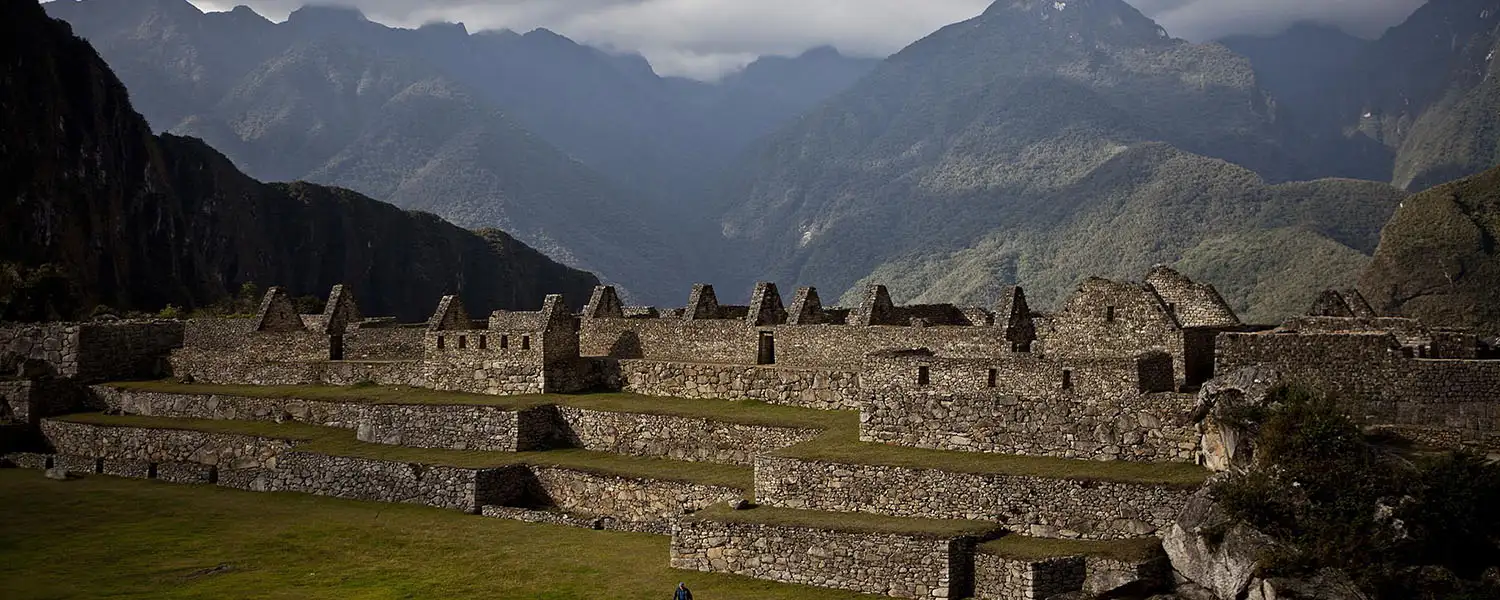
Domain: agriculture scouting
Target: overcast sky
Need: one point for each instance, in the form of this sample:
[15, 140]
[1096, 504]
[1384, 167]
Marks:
[705, 38]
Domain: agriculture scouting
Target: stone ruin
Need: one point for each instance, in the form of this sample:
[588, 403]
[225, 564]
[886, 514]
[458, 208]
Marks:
[1114, 375]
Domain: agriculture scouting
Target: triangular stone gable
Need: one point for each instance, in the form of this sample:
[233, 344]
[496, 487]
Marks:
[277, 314]
[1013, 314]
[702, 304]
[604, 304]
[1331, 303]
[555, 312]
[765, 306]
[807, 308]
[450, 316]
[876, 309]
[341, 311]
[1358, 305]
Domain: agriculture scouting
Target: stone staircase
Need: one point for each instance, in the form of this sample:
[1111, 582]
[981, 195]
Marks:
[829, 510]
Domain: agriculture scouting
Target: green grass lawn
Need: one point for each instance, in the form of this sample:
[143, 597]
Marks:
[108, 537]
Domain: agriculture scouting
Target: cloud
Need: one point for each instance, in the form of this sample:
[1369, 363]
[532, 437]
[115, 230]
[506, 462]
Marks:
[705, 38]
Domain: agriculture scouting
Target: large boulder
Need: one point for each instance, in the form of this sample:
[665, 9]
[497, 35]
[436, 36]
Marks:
[1227, 441]
[1328, 584]
[1208, 549]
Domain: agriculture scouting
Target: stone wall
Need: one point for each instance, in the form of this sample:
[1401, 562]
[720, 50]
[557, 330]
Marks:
[485, 428]
[384, 343]
[895, 565]
[1036, 506]
[1001, 578]
[1137, 427]
[1374, 381]
[227, 451]
[90, 352]
[387, 481]
[628, 504]
[28, 401]
[1107, 319]
[344, 415]
[466, 361]
[676, 438]
[1022, 403]
[826, 389]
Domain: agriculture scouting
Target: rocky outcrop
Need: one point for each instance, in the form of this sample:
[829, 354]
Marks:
[1208, 549]
[1227, 442]
[1328, 584]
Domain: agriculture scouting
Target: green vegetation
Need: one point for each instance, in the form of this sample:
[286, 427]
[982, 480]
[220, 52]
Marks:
[1438, 259]
[342, 442]
[839, 443]
[852, 522]
[1421, 527]
[1020, 547]
[107, 537]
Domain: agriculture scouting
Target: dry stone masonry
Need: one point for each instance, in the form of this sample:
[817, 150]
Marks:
[1112, 376]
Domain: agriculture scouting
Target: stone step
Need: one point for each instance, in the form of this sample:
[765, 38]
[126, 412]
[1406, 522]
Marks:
[902, 558]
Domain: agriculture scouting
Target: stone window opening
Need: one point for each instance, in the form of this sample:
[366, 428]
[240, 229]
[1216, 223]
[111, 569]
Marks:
[463, 342]
[151, 471]
[441, 345]
[484, 342]
[994, 377]
[504, 342]
[1109, 314]
[924, 375]
[525, 342]
[1067, 382]
[98, 465]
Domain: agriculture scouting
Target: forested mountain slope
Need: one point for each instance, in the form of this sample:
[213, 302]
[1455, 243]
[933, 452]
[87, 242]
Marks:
[98, 210]
[1039, 143]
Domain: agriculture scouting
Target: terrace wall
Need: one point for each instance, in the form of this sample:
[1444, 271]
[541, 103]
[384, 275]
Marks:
[895, 565]
[826, 389]
[1374, 381]
[624, 503]
[676, 438]
[1036, 506]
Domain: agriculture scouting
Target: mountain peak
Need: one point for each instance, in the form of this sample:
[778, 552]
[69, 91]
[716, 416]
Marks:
[326, 14]
[822, 52]
[1115, 18]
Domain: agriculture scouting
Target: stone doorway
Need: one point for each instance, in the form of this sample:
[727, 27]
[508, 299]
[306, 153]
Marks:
[766, 354]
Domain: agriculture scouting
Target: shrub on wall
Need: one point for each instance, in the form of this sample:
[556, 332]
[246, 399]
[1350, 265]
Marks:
[1402, 524]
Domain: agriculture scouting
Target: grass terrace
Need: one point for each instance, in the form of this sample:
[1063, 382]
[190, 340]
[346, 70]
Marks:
[342, 442]
[850, 522]
[840, 442]
[747, 412]
[1019, 547]
[101, 537]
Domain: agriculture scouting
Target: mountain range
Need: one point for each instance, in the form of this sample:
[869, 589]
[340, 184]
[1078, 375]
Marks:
[1038, 143]
[100, 211]
[583, 154]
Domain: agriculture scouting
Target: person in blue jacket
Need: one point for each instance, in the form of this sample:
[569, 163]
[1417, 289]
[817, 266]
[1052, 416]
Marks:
[683, 593]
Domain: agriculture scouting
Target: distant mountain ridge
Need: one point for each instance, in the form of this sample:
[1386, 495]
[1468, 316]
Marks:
[589, 156]
[1422, 100]
[100, 211]
[1040, 143]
